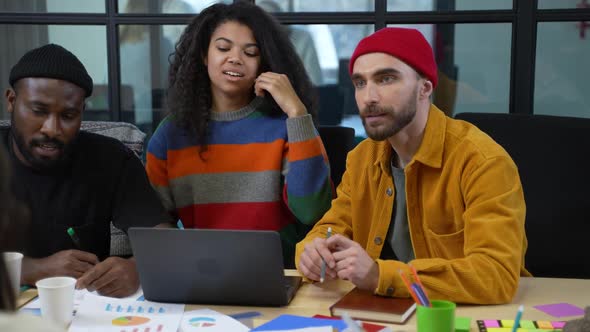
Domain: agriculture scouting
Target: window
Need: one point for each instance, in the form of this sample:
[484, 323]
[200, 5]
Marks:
[22, 38]
[485, 62]
[562, 68]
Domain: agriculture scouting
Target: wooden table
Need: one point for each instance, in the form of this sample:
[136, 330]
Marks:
[316, 298]
[312, 299]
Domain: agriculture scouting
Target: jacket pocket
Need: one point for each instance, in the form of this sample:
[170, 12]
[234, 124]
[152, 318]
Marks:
[446, 246]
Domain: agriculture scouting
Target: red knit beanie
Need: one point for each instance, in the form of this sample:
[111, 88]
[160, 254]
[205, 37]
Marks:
[408, 45]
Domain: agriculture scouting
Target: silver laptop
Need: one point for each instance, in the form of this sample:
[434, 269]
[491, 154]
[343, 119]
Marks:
[212, 266]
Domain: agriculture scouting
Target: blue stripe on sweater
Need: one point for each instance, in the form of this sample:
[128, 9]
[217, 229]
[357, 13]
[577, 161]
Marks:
[304, 184]
[249, 130]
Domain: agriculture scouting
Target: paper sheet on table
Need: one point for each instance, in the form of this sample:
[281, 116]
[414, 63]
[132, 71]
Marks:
[208, 320]
[78, 297]
[308, 329]
[100, 313]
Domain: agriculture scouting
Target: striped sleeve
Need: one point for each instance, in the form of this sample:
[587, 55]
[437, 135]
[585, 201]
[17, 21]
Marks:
[308, 188]
[156, 167]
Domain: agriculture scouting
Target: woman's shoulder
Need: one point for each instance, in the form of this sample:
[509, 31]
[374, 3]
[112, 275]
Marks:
[166, 125]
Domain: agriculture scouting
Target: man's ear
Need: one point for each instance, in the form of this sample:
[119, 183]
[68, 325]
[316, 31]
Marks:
[426, 89]
[10, 96]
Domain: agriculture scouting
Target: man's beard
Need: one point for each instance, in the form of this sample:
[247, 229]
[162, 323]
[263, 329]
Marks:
[399, 120]
[41, 163]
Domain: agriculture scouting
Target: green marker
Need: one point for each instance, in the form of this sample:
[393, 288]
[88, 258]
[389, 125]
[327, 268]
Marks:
[74, 237]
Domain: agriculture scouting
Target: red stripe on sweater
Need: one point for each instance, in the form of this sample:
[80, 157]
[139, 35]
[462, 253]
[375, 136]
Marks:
[247, 216]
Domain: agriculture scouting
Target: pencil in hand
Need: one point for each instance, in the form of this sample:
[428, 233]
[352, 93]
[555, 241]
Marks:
[323, 268]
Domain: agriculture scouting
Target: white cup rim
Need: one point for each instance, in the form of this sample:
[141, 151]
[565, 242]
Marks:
[55, 282]
[12, 255]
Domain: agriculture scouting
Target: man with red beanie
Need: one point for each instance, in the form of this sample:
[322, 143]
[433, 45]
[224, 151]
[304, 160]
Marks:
[423, 190]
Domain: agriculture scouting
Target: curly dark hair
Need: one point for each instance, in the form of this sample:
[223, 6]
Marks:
[189, 92]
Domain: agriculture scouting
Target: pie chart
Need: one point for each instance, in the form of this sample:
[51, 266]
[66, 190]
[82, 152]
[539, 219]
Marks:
[202, 322]
[130, 321]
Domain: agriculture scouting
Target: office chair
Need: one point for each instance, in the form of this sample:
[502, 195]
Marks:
[552, 155]
[330, 105]
[338, 141]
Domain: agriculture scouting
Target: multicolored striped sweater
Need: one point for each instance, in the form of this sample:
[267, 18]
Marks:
[258, 173]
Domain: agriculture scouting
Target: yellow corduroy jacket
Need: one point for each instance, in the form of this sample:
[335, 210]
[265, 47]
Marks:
[465, 208]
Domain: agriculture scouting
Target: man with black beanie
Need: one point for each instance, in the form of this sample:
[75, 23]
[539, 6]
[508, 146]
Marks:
[70, 178]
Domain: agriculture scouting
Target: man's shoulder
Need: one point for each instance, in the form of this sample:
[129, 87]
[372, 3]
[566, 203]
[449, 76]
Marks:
[102, 146]
[466, 137]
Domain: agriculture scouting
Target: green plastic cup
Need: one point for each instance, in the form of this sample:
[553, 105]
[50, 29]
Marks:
[438, 318]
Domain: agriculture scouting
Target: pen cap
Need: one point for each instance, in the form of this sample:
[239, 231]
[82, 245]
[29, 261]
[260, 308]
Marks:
[438, 318]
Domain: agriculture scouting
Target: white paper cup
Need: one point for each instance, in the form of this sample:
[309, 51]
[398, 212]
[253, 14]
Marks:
[13, 261]
[56, 295]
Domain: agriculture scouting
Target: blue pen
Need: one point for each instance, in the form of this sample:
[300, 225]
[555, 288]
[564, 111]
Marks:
[421, 295]
[244, 315]
[517, 319]
[179, 224]
[323, 268]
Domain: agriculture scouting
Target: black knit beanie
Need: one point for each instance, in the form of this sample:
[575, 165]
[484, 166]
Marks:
[52, 61]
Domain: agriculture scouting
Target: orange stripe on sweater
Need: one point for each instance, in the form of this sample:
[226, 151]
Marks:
[156, 170]
[306, 149]
[222, 158]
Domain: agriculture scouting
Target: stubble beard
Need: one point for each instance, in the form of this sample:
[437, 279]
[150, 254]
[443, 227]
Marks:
[399, 120]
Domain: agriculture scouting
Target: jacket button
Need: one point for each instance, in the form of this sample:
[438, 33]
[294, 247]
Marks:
[389, 192]
[378, 240]
[389, 291]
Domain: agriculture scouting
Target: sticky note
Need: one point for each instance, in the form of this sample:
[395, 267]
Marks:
[509, 329]
[543, 324]
[462, 324]
[558, 325]
[491, 323]
[507, 323]
[527, 324]
[560, 309]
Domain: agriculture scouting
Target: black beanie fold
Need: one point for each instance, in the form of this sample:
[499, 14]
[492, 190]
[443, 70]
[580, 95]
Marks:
[52, 61]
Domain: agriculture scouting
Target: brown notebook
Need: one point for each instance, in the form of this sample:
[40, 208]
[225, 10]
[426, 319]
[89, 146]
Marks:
[364, 305]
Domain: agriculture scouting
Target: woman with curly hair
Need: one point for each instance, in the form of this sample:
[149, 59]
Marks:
[239, 149]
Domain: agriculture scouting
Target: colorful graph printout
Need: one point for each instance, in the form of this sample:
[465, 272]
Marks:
[202, 321]
[207, 320]
[130, 321]
[107, 314]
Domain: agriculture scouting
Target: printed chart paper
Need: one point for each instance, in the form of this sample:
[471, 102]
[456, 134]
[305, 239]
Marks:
[100, 313]
[206, 320]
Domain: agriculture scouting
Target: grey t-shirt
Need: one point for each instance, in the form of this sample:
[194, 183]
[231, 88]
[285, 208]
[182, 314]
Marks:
[398, 244]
